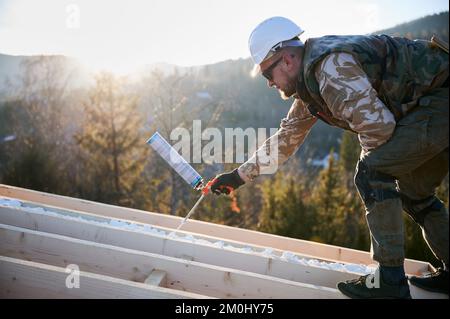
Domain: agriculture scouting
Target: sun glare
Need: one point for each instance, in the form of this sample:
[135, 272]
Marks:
[122, 36]
[116, 65]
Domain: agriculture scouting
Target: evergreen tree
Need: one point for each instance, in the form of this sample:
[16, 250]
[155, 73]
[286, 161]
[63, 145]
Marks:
[328, 200]
[250, 203]
[349, 151]
[354, 214]
[284, 211]
[268, 221]
[297, 218]
[113, 149]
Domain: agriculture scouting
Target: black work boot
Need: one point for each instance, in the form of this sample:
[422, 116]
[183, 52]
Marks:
[362, 288]
[435, 282]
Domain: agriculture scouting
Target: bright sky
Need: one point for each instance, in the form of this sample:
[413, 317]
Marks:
[122, 35]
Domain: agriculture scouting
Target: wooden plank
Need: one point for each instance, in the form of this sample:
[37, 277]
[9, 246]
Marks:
[146, 242]
[246, 262]
[322, 251]
[135, 265]
[157, 278]
[417, 293]
[26, 279]
[107, 220]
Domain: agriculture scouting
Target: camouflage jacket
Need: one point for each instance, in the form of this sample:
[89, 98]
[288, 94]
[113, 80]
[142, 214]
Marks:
[400, 70]
[340, 84]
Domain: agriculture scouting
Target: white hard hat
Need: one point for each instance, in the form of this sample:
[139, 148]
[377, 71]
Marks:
[268, 34]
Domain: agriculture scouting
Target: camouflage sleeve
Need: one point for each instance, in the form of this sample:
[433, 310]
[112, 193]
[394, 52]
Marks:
[280, 146]
[346, 89]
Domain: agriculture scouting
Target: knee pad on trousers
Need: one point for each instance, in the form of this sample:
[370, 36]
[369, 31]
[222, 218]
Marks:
[418, 214]
[366, 178]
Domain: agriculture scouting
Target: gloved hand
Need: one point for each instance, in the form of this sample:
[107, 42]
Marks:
[227, 182]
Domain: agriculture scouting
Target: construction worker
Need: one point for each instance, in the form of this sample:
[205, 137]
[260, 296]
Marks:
[392, 92]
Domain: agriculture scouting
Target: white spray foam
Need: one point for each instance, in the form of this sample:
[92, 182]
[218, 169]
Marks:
[286, 256]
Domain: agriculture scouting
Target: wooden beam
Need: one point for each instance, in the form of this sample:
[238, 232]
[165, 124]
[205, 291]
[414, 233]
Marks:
[157, 278]
[107, 220]
[322, 251]
[135, 265]
[26, 279]
[146, 242]
[417, 293]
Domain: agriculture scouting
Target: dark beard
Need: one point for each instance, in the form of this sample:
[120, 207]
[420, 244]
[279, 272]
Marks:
[289, 90]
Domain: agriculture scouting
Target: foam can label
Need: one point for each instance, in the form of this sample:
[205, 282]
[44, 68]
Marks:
[175, 160]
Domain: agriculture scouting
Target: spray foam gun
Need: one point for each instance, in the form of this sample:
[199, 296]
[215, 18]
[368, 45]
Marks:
[179, 164]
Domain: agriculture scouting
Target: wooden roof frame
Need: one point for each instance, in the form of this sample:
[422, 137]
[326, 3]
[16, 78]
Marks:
[136, 264]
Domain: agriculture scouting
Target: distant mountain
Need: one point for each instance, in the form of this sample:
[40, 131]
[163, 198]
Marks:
[423, 28]
[10, 66]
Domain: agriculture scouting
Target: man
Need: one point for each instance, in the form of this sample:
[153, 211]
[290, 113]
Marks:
[393, 93]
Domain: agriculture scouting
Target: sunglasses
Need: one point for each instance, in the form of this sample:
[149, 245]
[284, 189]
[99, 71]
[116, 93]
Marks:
[268, 72]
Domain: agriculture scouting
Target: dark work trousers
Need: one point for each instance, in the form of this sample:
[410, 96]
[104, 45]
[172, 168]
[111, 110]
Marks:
[402, 175]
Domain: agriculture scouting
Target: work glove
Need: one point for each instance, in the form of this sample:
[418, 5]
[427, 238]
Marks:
[226, 183]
